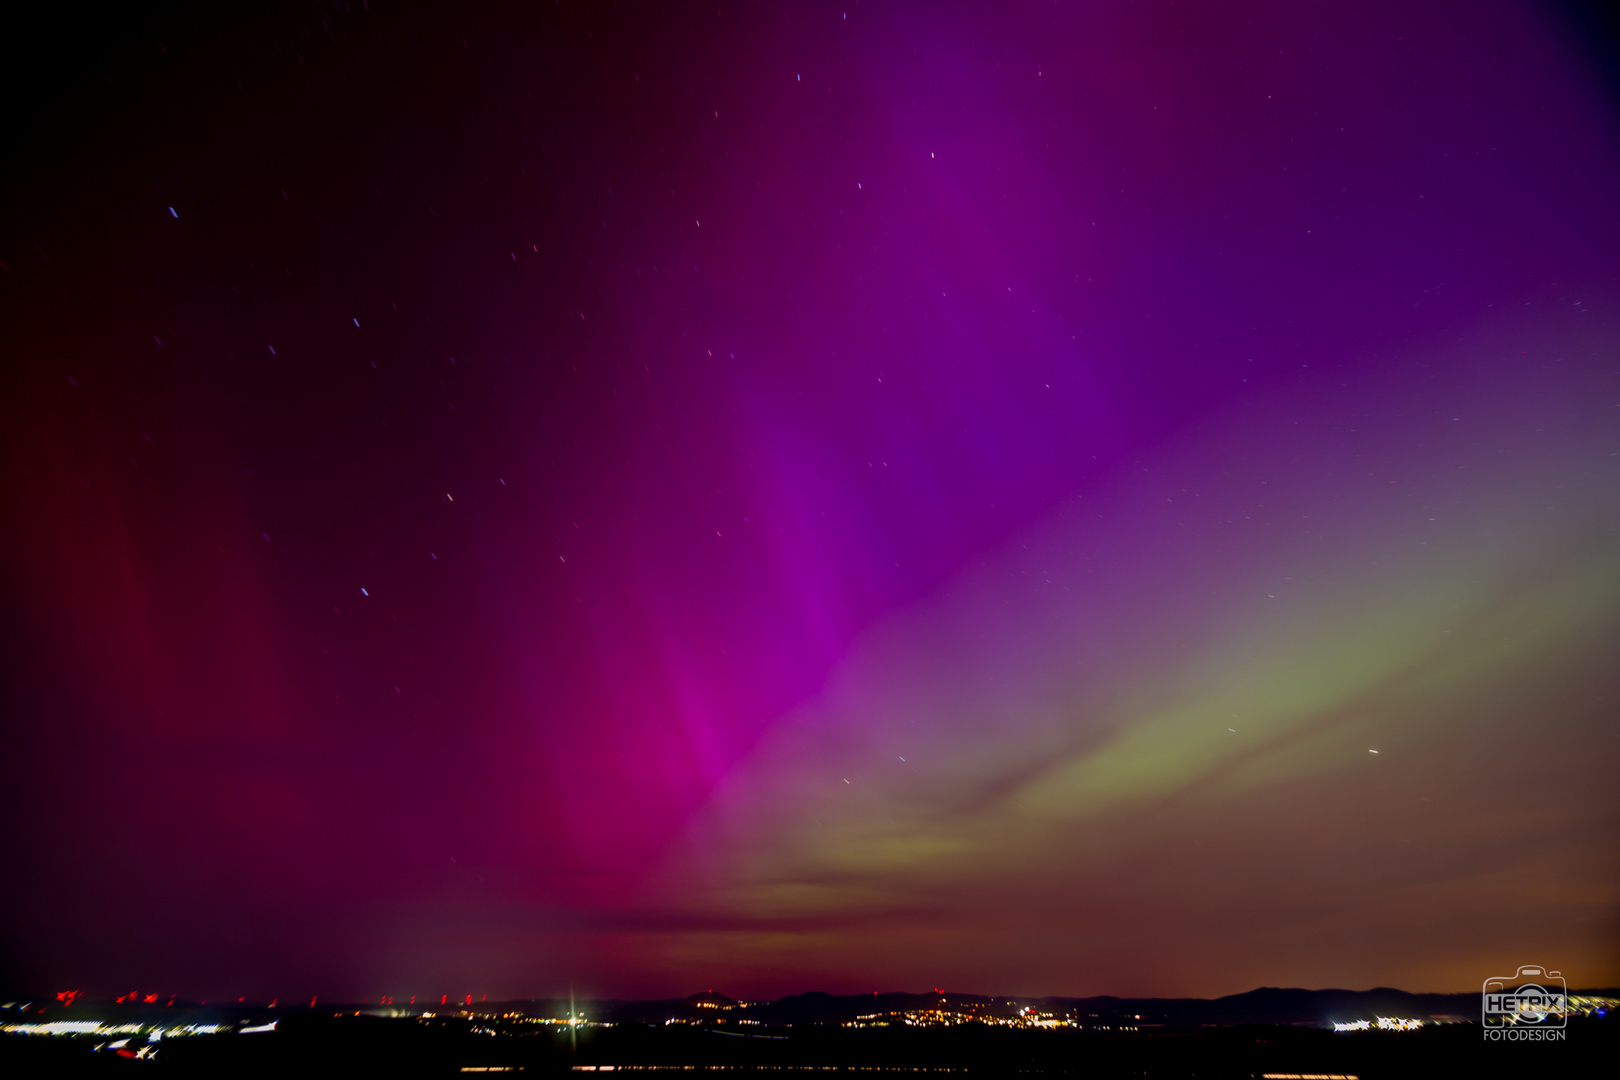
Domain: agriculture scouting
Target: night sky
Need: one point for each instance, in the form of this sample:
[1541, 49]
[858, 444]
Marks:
[1020, 498]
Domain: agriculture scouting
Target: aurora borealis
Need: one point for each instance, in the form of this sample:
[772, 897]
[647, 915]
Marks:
[1032, 498]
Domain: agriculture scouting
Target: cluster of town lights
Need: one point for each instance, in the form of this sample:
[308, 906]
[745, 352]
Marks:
[1024, 1018]
[1382, 1023]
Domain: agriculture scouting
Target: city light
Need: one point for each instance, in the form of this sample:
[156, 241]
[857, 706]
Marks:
[1382, 1023]
[1398, 1023]
[95, 1027]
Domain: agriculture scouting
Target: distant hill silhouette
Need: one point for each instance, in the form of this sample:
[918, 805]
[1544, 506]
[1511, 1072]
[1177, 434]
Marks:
[1264, 1005]
[710, 999]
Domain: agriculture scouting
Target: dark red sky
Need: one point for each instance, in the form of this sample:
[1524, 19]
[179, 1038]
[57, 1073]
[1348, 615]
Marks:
[1039, 498]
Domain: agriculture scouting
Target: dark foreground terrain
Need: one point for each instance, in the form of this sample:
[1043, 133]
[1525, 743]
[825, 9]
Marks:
[443, 1047]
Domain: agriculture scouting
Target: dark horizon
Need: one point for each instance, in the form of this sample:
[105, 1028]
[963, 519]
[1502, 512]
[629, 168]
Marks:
[1257, 1001]
[1107, 497]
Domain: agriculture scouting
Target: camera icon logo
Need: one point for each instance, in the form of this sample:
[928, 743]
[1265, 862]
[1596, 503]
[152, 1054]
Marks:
[1532, 998]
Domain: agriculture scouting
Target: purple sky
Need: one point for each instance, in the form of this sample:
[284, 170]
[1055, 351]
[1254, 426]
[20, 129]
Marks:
[1029, 498]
